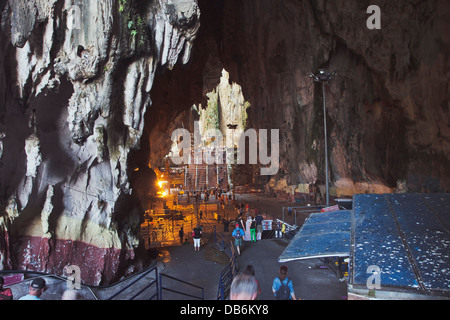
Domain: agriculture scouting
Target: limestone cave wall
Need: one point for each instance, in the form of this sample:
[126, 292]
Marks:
[75, 78]
[388, 106]
[90, 90]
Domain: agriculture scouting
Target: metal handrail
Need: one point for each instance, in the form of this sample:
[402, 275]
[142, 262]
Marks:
[155, 269]
[161, 287]
[227, 275]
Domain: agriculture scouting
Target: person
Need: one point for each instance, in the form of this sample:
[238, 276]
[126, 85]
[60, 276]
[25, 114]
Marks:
[283, 230]
[5, 293]
[250, 270]
[226, 223]
[181, 234]
[248, 222]
[241, 222]
[259, 219]
[244, 287]
[237, 234]
[71, 294]
[252, 230]
[277, 229]
[35, 290]
[197, 235]
[282, 286]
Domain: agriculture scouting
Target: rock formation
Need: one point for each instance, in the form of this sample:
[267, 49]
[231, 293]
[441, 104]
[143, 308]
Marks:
[388, 106]
[90, 90]
[75, 83]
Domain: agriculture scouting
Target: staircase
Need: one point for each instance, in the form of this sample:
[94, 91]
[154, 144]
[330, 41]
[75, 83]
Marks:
[199, 176]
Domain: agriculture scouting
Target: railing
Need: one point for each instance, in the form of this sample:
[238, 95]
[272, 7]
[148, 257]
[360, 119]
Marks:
[146, 287]
[178, 281]
[157, 281]
[302, 210]
[227, 275]
[167, 233]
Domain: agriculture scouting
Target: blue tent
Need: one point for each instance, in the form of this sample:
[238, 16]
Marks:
[405, 237]
[324, 234]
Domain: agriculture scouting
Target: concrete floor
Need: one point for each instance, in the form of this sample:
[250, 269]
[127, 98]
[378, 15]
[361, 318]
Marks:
[310, 281]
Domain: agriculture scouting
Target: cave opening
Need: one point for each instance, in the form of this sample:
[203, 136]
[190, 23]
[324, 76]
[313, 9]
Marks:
[203, 92]
[179, 96]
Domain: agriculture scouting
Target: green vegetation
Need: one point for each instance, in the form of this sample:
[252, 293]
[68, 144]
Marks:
[134, 23]
[122, 4]
[244, 115]
[212, 111]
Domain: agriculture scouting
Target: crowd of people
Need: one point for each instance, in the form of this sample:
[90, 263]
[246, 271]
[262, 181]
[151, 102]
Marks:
[35, 290]
[222, 195]
[248, 223]
[245, 285]
[251, 228]
[246, 227]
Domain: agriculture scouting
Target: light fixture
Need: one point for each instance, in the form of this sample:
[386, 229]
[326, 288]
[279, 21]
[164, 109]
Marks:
[324, 77]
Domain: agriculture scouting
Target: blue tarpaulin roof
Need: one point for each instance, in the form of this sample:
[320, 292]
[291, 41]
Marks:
[406, 236]
[324, 234]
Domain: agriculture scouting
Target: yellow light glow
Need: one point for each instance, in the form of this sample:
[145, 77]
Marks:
[164, 194]
[160, 183]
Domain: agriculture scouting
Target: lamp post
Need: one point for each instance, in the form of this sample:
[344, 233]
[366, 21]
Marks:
[232, 127]
[324, 77]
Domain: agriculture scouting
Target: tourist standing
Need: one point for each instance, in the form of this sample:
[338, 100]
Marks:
[35, 290]
[282, 286]
[197, 235]
[181, 235]
[259, 219]
[241, 222]
[237, 234]
[244, 287]
[252, 230]
[5, 293]
[250, 270]
[277, 229]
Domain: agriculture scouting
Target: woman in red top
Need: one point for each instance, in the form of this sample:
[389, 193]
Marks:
[5, 294]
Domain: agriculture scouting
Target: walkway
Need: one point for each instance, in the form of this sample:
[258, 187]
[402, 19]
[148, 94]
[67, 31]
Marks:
[311, 281]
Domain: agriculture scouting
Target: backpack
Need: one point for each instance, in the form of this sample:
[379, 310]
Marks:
[238, 234]
[284, 292]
